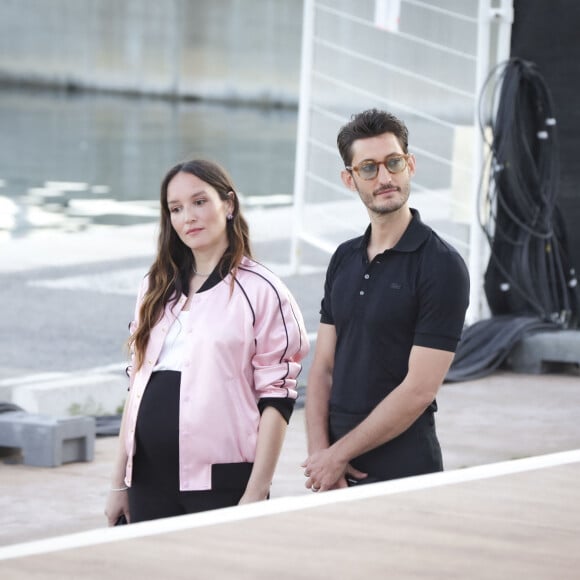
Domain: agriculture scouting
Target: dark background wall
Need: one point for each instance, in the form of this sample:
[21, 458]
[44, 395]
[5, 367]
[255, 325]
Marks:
[547, 32]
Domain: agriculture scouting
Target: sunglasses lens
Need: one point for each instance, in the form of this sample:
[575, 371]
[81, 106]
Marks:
[368, 170]
[396, 164]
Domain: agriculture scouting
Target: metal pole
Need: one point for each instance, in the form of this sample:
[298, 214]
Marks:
[474, 311]
[302, 131]
[505, 17]
[477, 249]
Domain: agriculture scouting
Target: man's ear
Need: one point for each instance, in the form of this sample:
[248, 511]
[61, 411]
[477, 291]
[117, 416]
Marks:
[411, 162]
[348, 179]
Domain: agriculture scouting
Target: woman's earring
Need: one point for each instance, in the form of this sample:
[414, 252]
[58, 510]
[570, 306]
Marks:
[230, 216]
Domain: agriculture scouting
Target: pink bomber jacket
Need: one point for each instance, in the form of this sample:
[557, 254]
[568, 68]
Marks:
[242, 347]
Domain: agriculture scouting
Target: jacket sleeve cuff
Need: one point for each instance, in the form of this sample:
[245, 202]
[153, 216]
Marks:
[284, 406]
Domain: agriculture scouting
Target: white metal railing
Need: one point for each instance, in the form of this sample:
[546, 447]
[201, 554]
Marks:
[428, 69]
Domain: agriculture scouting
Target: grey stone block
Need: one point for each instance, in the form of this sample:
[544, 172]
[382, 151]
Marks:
[48, 441]
[534, 352]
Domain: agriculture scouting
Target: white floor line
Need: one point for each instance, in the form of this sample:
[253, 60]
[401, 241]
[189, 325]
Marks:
[286, 505]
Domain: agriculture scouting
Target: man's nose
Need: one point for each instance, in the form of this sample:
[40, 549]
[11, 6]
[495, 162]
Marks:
[383, 172]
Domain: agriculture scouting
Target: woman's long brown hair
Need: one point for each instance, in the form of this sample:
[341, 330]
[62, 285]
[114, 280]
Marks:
[170, 273]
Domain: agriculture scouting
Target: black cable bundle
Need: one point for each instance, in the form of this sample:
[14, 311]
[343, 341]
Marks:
[486, 345]
[529, 283]
[529, 271]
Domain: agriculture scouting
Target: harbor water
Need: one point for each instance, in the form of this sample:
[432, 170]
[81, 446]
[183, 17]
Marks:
[72, 159]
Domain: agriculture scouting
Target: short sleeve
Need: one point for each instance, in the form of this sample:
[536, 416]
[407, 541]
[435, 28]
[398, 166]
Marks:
[326, 311]
[443, 301]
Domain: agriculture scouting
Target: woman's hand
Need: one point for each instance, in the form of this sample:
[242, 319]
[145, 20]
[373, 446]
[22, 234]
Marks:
[251, 496]
[117, 505]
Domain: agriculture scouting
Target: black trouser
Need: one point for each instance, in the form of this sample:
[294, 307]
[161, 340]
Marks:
[414, 452]
[154, 491]
[152, 503]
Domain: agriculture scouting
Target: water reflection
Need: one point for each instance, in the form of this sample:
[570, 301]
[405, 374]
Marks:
[68, 161]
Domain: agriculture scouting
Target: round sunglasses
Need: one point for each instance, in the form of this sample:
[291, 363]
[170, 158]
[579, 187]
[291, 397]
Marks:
[369, 169]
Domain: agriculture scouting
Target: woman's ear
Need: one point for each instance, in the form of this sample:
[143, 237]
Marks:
[230, 202]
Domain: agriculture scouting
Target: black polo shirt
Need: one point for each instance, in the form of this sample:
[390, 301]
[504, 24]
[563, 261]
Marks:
[413, 294]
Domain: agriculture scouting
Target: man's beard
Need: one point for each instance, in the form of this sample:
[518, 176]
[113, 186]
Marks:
[387, 206]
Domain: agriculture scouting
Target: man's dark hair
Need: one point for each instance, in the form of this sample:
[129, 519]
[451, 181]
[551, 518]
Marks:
[370, 123]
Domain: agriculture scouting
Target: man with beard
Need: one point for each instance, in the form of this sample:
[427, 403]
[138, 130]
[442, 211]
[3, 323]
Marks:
[391, 317]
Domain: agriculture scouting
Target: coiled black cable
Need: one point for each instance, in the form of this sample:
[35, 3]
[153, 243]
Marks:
[529, 284]
[529, 270]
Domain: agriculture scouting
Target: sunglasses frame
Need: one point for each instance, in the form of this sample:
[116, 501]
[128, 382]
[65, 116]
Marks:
[384, 162]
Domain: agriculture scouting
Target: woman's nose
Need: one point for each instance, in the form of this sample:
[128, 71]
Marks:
[190, 215]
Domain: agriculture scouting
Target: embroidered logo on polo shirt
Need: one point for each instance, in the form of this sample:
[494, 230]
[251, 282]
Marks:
[396, 285]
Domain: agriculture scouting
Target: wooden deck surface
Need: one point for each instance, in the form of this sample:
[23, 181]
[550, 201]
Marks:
[478, 523]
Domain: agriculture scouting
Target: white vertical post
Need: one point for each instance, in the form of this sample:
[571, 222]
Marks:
[302, 131]
[477, 249]
[475, 234]
[504, 35]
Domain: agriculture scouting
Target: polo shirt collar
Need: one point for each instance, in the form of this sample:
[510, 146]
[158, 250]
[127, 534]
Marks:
[411, 240]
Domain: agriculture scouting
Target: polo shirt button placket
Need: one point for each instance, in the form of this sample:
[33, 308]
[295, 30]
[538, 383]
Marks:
[366, 277]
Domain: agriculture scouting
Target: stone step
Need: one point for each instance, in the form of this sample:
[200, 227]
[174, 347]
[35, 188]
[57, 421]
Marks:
[46, 441]
[100, 391]
[537, 352]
